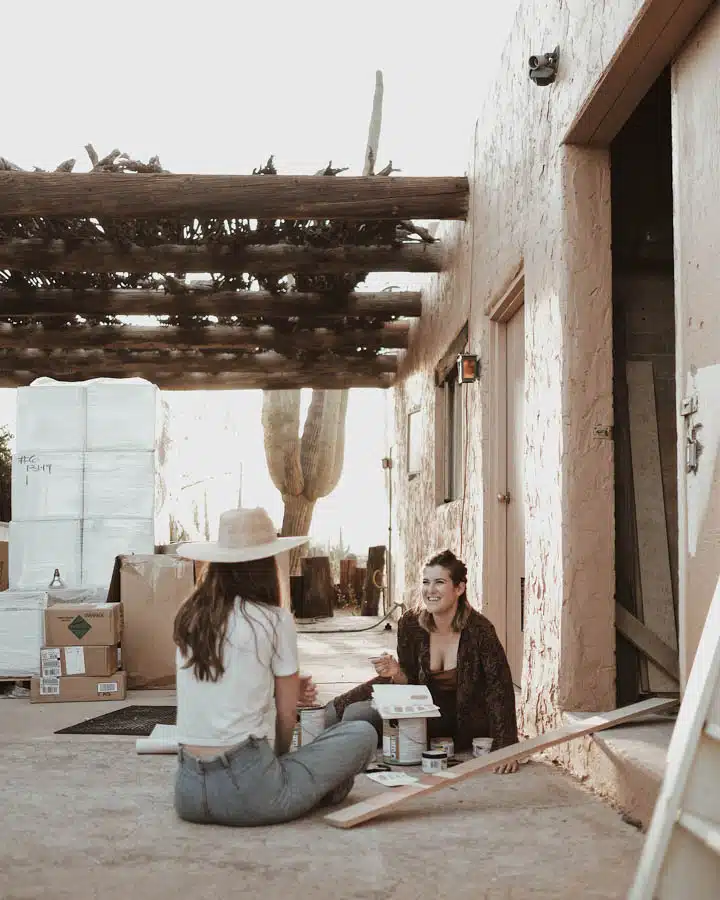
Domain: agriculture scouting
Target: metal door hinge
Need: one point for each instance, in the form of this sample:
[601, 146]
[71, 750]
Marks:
[689, 405]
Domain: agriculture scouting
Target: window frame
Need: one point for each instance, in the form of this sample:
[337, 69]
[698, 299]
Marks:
[450, 436]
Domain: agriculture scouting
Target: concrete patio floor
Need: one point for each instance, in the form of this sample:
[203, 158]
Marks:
[85, 817]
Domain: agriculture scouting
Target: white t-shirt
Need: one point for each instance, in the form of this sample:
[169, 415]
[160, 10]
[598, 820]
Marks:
[261, 644]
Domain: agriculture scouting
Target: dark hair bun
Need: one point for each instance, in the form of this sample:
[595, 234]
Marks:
[455, 566]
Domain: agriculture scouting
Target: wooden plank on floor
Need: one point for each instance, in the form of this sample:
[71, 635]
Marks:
[647, 642]
[375, 806]
[656, 595]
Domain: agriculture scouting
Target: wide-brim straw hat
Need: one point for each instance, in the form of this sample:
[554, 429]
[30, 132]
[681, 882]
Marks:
[243, 535]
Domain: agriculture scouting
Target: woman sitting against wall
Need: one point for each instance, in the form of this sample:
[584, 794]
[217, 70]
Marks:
[447, 645]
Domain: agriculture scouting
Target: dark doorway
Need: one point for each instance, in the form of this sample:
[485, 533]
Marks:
[644, 368]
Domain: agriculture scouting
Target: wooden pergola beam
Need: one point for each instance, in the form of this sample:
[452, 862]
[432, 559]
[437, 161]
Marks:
[152, 196]
[204, 302]
[98, 362]
[38, 255]
[391, 335]
[204, 381]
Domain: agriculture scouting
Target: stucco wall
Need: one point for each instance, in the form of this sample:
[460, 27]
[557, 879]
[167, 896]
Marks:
[545, 208]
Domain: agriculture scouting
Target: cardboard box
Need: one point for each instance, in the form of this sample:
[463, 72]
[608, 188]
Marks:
[78, 688]
[94, 661]
[83, 624]
[152, 589]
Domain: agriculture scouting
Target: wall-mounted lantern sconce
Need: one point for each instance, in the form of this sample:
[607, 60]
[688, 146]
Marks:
[543, 68]
[468, 367]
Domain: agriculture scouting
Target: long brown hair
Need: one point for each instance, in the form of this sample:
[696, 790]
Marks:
[457, 570]
[201, 623]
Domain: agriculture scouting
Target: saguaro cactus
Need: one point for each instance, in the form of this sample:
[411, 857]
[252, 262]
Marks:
[308, 467]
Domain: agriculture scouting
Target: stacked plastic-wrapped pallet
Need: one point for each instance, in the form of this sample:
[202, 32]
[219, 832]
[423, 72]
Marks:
[83, 492]
[119, 475]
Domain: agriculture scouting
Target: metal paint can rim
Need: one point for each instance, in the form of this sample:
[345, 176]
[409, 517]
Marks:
[444, 743]
[434, 761]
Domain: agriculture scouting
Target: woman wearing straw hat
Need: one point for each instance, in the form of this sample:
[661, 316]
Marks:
[236, 648]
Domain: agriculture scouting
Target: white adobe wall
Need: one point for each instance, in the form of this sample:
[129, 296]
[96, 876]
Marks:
[543, 207]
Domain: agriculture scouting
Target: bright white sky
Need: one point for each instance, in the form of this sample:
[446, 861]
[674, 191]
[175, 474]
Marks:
[217, 87]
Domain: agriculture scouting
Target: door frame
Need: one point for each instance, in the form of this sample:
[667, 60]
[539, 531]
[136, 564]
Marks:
[652, 42]
[495, 572]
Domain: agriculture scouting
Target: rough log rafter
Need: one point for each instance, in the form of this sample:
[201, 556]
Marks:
[37, 255]
[95, 362]
[389, 336]
[93, 246]
[127, 302]
[67, 195]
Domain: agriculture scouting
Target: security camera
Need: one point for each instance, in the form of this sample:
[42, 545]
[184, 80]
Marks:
[542, 61]
[543, 67]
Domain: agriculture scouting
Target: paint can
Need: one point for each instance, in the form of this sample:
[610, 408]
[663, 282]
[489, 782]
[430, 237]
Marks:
[482, 745]
[404, 741]
[311, 722]
[434, 761]
[442, 743]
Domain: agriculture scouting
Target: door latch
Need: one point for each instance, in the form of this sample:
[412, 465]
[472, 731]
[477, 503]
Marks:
[503, 498]
[688, 408]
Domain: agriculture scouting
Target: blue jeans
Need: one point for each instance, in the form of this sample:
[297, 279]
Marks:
[249, 785]
[362, 711]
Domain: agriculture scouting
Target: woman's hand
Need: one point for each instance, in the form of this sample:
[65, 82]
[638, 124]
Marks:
[507, 768]
[308, 691]
[387, 666]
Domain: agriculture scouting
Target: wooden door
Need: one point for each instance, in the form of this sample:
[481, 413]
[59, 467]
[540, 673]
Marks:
[696, 198]
[514, 497]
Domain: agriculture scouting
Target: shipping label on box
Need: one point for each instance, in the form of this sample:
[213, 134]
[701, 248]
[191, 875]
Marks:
[152, 589]
[57, 661]
[83, 624]
[78, 688]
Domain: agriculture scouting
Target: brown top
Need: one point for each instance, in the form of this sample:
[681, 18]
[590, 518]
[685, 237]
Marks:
[444, 680]
[485, 697]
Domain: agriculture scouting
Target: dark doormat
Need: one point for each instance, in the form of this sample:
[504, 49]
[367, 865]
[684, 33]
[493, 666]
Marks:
[137, 721]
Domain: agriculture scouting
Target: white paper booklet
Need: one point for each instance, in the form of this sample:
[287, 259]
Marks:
[392, 779]
[163, 739]
[404, 701]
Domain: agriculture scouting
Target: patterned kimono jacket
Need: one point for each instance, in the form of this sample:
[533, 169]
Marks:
[485, 701]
